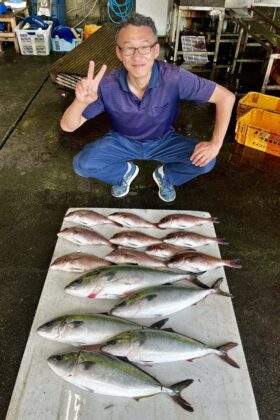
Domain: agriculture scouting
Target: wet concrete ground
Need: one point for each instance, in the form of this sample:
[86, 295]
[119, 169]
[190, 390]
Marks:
[37, 186]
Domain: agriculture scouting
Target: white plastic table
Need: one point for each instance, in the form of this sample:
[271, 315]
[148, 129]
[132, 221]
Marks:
[219, 391]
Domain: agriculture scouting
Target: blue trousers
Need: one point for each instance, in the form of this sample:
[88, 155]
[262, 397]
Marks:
[106, 158]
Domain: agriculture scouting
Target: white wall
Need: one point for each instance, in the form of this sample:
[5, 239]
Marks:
[71, 4]
[157, 10]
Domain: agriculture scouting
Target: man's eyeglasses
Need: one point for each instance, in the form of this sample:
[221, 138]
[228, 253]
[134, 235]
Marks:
[141, 50]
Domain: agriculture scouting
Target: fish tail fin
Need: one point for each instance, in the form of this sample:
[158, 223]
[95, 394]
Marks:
[159, 324]
[214, 219]
[218, 291]
[224, 356]
[222, 241]
[157, 225]
[177, 389]
[233, 263]
[112, 222]
[198, 283]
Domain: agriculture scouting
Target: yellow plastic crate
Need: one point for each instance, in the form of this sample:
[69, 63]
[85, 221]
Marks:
[258, 100]
[260, 130]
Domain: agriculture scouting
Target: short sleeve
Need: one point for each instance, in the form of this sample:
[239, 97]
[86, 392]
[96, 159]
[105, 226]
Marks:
[194, 88]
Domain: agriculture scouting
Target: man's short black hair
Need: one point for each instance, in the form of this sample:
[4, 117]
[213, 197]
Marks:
[138, 20]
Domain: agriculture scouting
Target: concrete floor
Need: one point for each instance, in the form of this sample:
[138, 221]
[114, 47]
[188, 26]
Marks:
[38, 186]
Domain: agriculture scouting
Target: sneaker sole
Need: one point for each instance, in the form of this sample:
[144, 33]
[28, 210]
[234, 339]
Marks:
[156, 181]
[128, 185]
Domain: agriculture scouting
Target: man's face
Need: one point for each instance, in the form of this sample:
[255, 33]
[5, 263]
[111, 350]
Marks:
[137, 65]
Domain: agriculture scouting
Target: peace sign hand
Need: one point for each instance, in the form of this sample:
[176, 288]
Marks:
[86, 89]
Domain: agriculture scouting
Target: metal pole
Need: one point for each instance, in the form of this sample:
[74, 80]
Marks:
[217, 44]
[177, 35]
[236, 53]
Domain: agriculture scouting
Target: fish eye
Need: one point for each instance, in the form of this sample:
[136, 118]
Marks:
[59, 357]
[79, 281]
[48, 324]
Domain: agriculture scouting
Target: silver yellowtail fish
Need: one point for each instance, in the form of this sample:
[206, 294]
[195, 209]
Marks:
[184, 221]
[133, 239]
[163, 300]
[87, 329]
[83, 236]
[191, 239]
[198, 262]
[108, 375]
[131, 256]
[78, 262]
[155, 346]
[130, 220]
[165, 250]
[87, 218]
[121, 280]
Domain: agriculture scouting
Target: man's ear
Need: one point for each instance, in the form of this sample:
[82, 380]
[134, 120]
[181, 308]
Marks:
[156, 50]
[118, 53]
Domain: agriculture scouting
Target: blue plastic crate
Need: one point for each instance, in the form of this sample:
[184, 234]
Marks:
[60, 45]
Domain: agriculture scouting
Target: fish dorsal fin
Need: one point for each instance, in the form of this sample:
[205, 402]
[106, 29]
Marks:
[159, 324]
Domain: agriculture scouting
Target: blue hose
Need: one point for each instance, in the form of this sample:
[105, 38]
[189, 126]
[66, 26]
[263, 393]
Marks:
[120, 10]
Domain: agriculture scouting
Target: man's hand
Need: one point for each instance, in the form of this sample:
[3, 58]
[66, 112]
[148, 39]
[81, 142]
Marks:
[204, 152]
[86, 89]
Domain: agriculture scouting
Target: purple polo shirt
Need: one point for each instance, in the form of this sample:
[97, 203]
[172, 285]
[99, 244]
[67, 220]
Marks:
[153, 116]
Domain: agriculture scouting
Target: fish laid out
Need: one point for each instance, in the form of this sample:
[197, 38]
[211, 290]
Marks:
[184, 221]
[191, 239]
[78, 262]
[199, 263]
[87, 218]
[131, 256]
[83, 236]
[88, 329]
[133, 239]
[130, 220]
[121, 280]
[160, 346]
[165, 250]
[163, 300]
[109, 375]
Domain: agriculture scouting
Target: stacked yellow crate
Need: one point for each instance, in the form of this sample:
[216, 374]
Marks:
[258, 122]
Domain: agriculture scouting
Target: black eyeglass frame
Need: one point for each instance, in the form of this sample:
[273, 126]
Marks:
[137, 49]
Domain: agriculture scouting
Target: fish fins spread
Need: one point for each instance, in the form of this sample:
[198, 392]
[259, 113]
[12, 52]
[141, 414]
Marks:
[218, 291]
[224, 349]
[177, 389]
[159, 324]
[199, 283]
[124, 359]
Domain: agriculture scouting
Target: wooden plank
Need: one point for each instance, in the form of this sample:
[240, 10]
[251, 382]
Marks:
[219, 391]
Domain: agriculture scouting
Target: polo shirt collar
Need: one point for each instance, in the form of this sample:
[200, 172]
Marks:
[154, 80]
